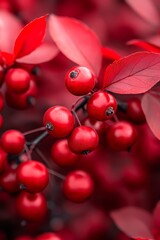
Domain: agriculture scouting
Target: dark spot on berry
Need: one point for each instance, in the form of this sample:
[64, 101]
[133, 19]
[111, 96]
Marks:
[110, 111]
[31, 101]
[85, 152]
[22, 187]
[49, 126]
[73, 74]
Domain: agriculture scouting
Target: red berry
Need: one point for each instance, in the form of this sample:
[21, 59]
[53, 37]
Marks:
[83, 139]
[31, 207]
[9, 182]
[62, 155]
[121, 135]
[78, 186]
[17, 80]
[13, 141]
[33, 175]
[80, 80]
[101, 106]
[59, 121]
[135, 112]
[3, 159]
[23, 100]
[48, 236]
[97, 125]
[1, 74]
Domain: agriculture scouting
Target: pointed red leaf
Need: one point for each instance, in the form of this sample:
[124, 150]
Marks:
[10, 27]
[146, 10]
[76, 41]
[44, 53]
[134, 74]
[151, 106]
[134, 222]
[110, 53]
[30, 37]
[145, 45]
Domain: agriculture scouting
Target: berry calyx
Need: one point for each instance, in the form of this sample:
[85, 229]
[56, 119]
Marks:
[78, 186]
[13, 141]
[83, 139]
[101, 106]
[17, 80]
[33, 175]
[80, 80]
[62, 155]
[59, 121]
[31, 207]
[121, 135]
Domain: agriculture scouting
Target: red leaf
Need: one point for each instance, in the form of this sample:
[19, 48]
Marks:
[146, 10]
[44, 53]
[144, 45]
[134, 74]
[30, 37]
[151, 106]
[76, 41]
[134, 222]
[110, 53]
[10, 27]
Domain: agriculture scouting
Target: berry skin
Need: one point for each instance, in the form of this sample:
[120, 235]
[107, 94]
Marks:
[33, 175]
[13, 141]
[121, 135]
[17, 80]
[31, 207]
[48, 236]
[78, 186]
[59, 121]
[79, 80]
[83, 139]
[24, 100]
[101, 106]
[1, 101]
[62, 155]
[134, 111]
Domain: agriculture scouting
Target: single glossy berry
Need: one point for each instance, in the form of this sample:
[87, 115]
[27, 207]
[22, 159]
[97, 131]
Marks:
[59, 121]
[121, 135]
[62, 155]
[31, 207]
[3, 159]
[101, 106]
[9, 181]
[48, 236]
[134, 111]
[13, 141]
[80, 80]
[17, 80]
[78, 186]
[83, 139]
[23, 100]
[33, 176]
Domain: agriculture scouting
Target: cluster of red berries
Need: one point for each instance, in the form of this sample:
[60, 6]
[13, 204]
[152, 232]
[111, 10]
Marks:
[30, 177]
